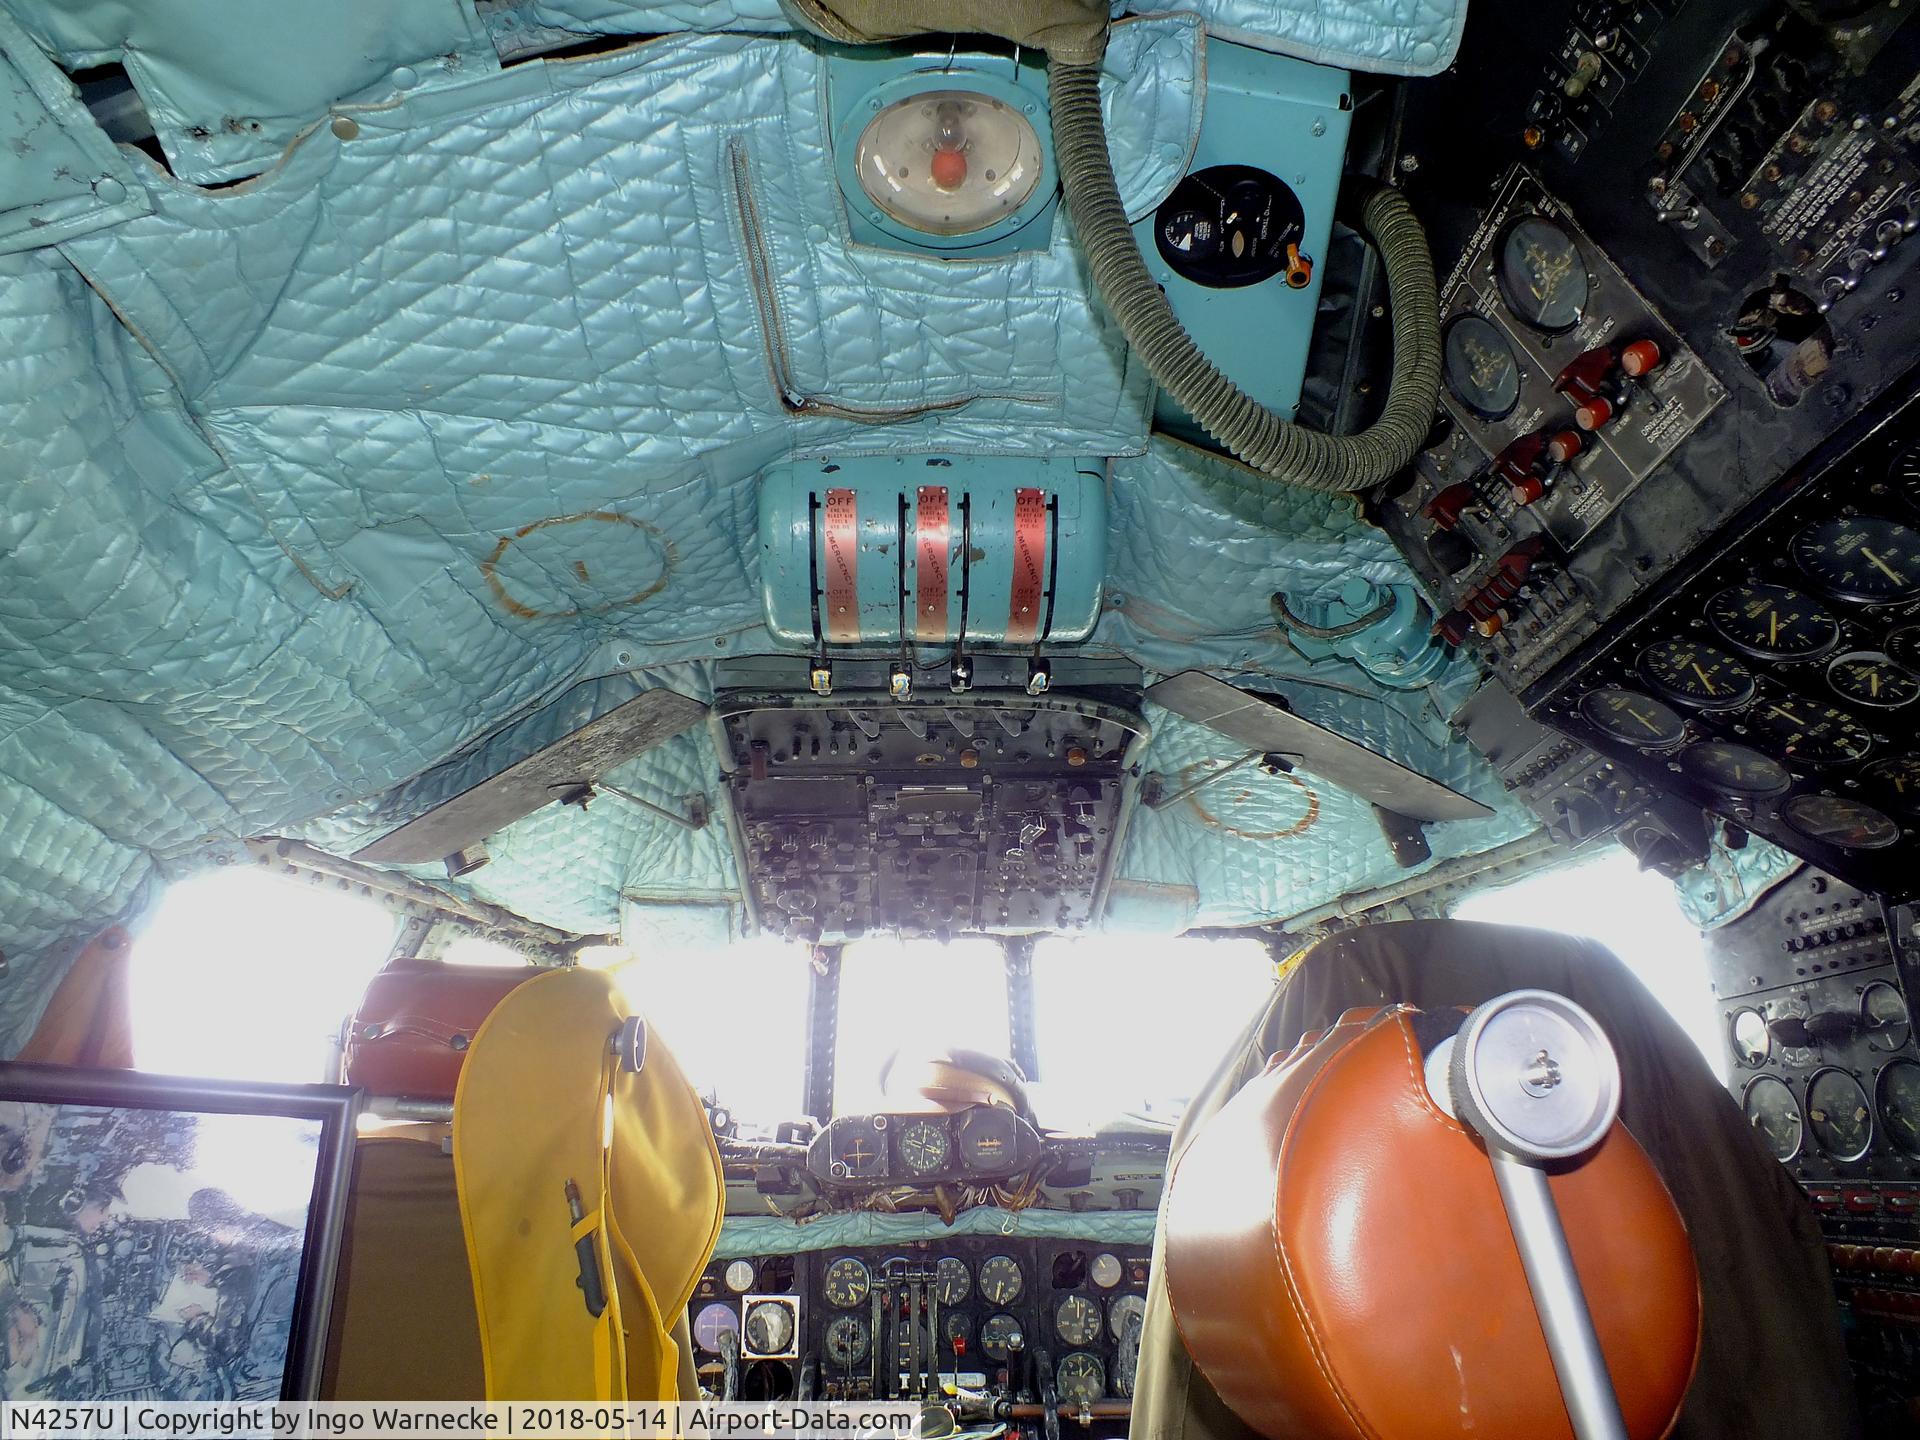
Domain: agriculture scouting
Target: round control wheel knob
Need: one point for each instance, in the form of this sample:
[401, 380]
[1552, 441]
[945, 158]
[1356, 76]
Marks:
[1535, 1076]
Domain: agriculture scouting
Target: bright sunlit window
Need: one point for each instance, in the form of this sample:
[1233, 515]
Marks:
[1132, 1026]
[1633, 913]
[919, 994]
[735, 1017]
[245, 976]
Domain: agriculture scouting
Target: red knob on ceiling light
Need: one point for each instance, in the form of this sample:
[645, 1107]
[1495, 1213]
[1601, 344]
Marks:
[1595, 413]
[1564, 446]
[949, 169]
[1640, 357]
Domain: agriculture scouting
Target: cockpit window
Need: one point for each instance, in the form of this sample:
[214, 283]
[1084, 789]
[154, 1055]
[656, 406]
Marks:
[734, 1017]
[919, 994]
[1129, 1028]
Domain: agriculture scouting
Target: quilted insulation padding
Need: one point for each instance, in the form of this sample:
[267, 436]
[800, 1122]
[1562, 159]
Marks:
[315, 482]
[229, 84]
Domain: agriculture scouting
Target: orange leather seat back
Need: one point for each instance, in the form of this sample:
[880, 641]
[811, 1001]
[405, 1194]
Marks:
[1339, 1261]
[415, 1023]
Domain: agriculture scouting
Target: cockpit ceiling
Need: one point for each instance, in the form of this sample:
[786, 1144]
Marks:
[323, 479]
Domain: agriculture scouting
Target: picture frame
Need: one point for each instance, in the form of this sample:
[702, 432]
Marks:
[164, 1238]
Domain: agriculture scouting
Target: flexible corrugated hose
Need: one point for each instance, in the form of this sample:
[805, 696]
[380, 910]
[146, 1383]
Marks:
[1277, 448]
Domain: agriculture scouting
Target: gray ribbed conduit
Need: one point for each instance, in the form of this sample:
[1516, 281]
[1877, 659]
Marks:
[1277, 448]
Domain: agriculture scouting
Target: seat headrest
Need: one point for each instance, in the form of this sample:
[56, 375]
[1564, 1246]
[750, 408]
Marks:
[1340, 1263]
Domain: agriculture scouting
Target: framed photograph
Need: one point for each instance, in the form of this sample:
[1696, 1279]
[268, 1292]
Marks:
[167, 1239]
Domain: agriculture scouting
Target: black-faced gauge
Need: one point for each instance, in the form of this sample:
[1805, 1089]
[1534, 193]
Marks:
[1884, 1018]
[848, 1340]
[1861, 558]
[859, 1149]
[1899, 1092]
[1736, 771]
[999, 1335]
[846, 1283]
[1696, 674]
[1752, 1041]
[959, 1327]
[1106, 1271]
[1903, 645]
[769, 1328]
[1773, 622]
[1868, 677]
[1123, 1309]
[1895, 783]
[1773, 1112]
[1633, 718]
[924, 1147]
[989, 1139]
[1838, 1115]
[1812, 733]
[951, 1281]
[739, 1276]
[1541, 275]
[1077, 1320]
[715, 1319]
[1081, 1379]
[1903, 475]
[1480, 368]
[1232, 225]
[1000, 1279]
[1838, 821]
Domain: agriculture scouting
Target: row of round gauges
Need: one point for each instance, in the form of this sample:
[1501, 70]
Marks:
[848, 1282]
[1077, 1321]
[770, 1326]
[1838, 1113]
[1884, 1022]
[1544, 282]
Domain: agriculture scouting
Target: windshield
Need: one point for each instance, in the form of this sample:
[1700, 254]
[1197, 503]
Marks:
[916, 993]
[1129, 1027]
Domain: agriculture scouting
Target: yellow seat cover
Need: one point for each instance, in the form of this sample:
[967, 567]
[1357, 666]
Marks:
[530, 1115]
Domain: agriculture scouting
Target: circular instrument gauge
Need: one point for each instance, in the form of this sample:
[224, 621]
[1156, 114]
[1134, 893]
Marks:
[1735, 770]
[1904, 476]
[1123, 1310]
[1861, 558]
[1771, 1109]
[1077, 1321]
[1541, 275]
[924, 1147]
[989, 1139]
[1884, 1017]
[847, 1283]
[951, 1281]
[1870, 678]
[1904, 646]
[715, 1319]
[739, 1276]
[1811, 733]
[1106, 1271]
[1000, 1280]
[848, 1340]
[1838, 1115]
[1480, 368]
[1834, 820]
[1633, 718]
[769, 1328]
[1697, 675]
[1752, 1041]
[1773, 622]
[1900, 1104]
[999, 1335]
[1895, 782]
[959, 1327]
[1081, 1379]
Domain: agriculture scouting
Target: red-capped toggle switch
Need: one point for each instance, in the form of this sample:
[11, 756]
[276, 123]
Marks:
[1526, 466]
[1444, 509]
[1589, 382]
[1486, 609]
[1640, 358]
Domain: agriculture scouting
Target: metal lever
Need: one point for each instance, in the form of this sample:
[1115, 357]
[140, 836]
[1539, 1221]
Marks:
[1534, 1075]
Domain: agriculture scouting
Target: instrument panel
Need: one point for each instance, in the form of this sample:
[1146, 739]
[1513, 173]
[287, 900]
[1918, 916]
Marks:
[1778, 683]
[1028, 1323]
[983, 1142]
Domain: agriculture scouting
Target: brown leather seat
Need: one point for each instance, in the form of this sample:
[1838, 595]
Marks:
[1340, 1264]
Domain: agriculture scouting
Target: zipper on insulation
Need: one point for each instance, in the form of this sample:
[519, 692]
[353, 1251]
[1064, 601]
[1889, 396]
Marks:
[773, 333]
